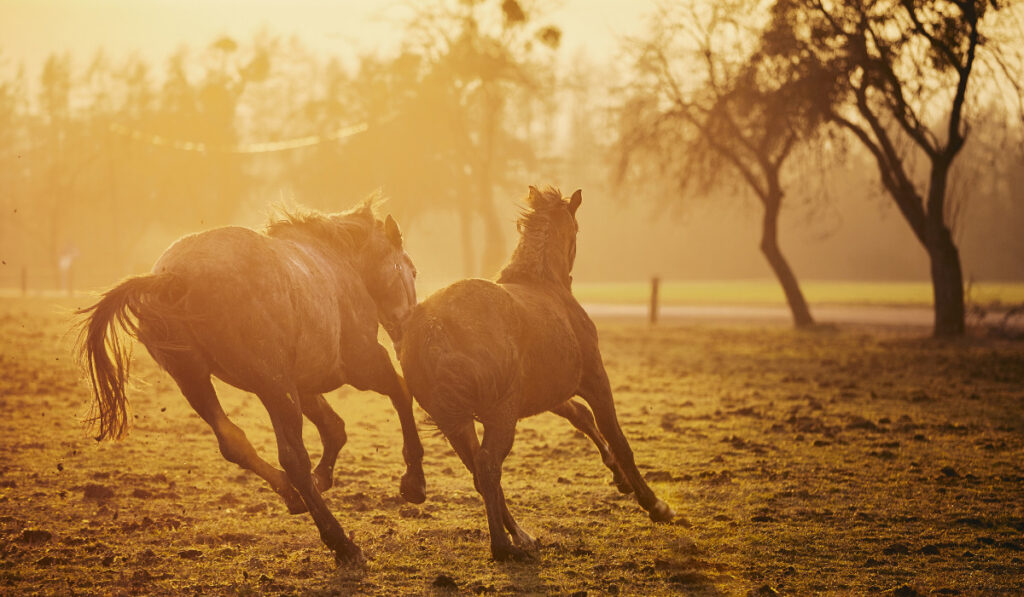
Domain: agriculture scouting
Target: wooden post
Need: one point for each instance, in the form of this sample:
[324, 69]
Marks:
[24, 281]
[654, 300]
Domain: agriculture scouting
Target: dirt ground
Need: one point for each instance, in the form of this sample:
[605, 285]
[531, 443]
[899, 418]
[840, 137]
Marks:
[841, 461]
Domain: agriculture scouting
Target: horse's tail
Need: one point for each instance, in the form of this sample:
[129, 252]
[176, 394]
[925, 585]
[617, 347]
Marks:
[105, 351]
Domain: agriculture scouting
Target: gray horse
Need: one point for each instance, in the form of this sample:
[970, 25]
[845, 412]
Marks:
[501, 351]
[286, 315]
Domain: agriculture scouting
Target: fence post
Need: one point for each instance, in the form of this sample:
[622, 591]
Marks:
[655, 281]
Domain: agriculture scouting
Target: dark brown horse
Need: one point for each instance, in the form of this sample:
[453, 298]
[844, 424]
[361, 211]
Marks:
[286, 315]
[499, 352]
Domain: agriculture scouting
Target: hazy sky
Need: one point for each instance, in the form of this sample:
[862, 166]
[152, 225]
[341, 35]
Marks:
[31, 29]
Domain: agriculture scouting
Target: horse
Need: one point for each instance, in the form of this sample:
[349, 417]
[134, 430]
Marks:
[286, 314]
[500, 351]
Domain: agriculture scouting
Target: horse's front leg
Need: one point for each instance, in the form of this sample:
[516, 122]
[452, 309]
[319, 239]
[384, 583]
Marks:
[332, 435]
[385, 380]
[414, 484]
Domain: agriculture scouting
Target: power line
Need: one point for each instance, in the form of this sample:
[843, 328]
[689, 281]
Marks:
[250, 148]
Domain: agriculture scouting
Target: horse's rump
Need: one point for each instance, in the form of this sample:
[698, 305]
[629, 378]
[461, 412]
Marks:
[458, 351]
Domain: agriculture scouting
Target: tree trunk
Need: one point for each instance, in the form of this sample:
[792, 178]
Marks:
[494, 251]
[770, 248]
[494, 237]
[947, 282]
[947, 275]
[466, 236]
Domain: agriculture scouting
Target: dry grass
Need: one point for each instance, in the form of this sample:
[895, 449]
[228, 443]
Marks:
[842, 461]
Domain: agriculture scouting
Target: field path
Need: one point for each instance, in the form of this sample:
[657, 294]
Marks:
[872, 315]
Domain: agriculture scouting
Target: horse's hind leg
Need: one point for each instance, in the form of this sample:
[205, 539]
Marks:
[598, 394]
[234, 445]
[332, 435]
[286, 416]
[466, 446]
[499, 433]
[582, 419]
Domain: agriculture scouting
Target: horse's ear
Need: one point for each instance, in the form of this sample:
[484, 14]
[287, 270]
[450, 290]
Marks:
[393, 233]
[534, 196]
[574, 202]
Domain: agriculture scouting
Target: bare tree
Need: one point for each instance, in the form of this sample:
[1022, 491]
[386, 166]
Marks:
[735, 120]
[900, 73]
[485, 54]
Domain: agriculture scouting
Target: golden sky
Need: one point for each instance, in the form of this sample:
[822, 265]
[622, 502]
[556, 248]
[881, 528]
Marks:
[32, 29]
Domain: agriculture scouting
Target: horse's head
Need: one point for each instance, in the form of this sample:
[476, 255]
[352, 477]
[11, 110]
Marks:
[547, 239]
[390, 277]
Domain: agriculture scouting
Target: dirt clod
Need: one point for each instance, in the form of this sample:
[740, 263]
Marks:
[141, 576]
[35, 536]
[904, 591]
[46, 561]
[443, 581]
[656, 476]
[896, 549]
[95, 491]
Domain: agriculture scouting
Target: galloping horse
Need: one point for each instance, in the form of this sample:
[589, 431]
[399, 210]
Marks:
[501, 351]
[286, 315]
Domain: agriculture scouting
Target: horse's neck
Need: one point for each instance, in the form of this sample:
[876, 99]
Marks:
[336, 256]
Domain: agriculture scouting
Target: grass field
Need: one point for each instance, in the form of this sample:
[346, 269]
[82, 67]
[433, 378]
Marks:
[844, 460]
[761, 292]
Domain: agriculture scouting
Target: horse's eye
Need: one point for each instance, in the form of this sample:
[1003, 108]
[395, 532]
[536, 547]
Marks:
[398, 267]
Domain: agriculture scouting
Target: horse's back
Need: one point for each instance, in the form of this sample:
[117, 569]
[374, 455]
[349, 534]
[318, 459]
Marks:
[550, 354]
[254, 306]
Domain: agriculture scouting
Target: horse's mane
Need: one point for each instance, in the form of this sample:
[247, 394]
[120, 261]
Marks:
[529, 262]
[348, 230]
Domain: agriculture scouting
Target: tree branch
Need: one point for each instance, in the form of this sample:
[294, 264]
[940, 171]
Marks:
[725, 151]
[946, 51]
[956, 139]
[898, 105]
[911, 209]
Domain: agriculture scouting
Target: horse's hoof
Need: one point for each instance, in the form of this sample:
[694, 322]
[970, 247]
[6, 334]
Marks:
[350, 555]
[508, 552]
[413, 488]
[322, 480]
[661, 512]
[524, 540]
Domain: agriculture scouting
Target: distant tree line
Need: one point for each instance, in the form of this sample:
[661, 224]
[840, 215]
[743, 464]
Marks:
[94, 155]
[760, 99]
